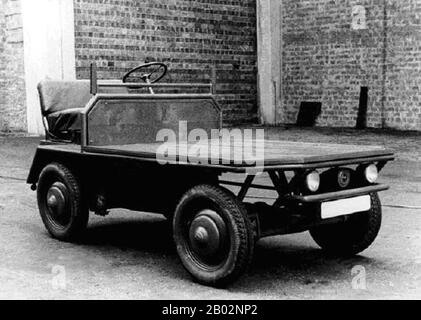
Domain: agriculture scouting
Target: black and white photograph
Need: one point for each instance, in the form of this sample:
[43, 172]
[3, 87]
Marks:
[228, 151]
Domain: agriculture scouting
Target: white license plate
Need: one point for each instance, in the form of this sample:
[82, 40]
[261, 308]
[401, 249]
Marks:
[345, 207]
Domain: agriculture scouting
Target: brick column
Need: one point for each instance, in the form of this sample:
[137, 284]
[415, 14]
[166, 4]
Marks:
[12, 85]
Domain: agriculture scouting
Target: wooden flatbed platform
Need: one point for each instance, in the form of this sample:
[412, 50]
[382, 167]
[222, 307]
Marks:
[274, 153]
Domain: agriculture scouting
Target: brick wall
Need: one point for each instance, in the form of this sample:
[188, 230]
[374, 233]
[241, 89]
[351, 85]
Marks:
[325, 60]
[192, 37]
[403, 68]
[12, 84]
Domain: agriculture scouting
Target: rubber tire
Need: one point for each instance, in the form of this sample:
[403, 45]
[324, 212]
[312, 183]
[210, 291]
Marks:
[73, 231]
[352, 236]
[239, 229]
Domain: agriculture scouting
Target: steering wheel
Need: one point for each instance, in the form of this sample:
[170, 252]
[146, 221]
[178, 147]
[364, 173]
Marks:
[153, 68]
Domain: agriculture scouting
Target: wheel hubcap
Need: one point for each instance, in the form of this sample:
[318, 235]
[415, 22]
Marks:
[57, 200]
[208, 234]
[201, 235]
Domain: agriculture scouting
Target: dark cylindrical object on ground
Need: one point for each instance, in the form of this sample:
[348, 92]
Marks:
[362, 109]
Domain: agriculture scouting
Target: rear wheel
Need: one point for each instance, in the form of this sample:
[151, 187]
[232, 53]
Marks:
[62, 209]
[213, 235]
[354, 235]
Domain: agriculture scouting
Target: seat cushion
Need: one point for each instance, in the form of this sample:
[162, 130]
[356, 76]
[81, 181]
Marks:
[65, 121]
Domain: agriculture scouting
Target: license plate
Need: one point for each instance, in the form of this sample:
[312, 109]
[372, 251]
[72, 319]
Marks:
[345, 207]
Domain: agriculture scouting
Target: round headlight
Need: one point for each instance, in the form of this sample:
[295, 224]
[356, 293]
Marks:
[313, 181]
[371, 173]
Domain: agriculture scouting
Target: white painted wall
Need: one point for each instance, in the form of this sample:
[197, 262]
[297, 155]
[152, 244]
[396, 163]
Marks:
[49, 46]
[269, 55]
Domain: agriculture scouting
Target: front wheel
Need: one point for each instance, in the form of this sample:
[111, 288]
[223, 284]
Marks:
[354, 235]
[213, 235]
[62, 208]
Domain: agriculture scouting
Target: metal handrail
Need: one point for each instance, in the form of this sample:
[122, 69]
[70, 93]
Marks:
[155, 85]
[96, 84]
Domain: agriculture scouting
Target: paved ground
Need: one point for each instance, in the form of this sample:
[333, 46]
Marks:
[129, 255]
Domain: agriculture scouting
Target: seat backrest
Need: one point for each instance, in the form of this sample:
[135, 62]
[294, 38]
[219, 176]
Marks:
[62, 95]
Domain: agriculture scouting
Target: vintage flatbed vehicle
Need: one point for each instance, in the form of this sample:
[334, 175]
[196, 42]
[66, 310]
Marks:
[100, 153]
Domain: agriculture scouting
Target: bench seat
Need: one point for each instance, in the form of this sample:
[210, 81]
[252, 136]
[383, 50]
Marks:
[62, 103]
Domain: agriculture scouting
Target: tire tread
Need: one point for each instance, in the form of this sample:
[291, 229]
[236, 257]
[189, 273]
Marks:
[81, 213]
[243, 227]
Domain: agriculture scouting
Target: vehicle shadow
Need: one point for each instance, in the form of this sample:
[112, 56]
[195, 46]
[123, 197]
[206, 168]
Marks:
[293, 261]
[146, 234]
[276, 259]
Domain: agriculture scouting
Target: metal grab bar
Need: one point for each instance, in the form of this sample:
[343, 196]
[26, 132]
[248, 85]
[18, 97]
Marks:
[155, 85]
[96, 84]
[208, 86]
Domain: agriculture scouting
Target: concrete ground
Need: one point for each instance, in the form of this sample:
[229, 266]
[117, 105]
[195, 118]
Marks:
[131, 256]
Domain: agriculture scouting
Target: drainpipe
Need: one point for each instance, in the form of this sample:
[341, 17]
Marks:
[384, 66]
